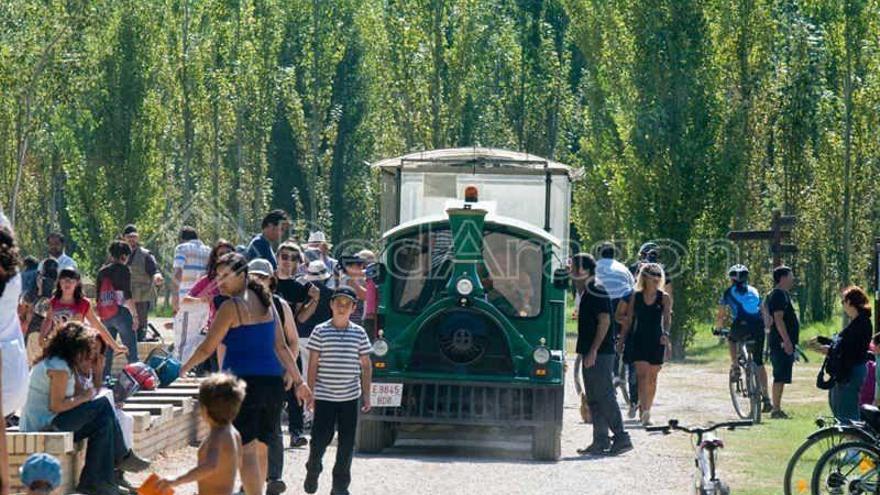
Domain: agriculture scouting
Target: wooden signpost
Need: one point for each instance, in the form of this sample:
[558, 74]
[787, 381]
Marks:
[780, 230]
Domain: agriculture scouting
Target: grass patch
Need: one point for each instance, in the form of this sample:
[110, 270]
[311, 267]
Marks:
[706, 348]
[754, 461]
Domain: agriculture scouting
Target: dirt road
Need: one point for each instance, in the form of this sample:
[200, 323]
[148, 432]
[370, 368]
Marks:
[658, 465]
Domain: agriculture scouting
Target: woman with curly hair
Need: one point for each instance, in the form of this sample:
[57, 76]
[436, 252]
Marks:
[56, 401]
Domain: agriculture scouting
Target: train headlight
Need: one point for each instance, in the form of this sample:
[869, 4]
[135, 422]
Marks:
[380, 348]
[541, 355]
[464, 286]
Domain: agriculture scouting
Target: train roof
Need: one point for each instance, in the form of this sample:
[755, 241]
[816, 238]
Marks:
[491, 219]
[477, 159]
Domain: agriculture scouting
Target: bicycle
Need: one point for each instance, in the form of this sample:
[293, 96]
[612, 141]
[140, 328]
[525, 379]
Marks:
[848, 468]
[706, 480]
[743, 383]
[805, 461]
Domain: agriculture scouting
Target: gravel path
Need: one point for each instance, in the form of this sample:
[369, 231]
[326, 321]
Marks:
[658, 465]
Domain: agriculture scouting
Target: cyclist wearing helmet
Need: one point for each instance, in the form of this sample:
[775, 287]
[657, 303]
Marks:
[747, 323]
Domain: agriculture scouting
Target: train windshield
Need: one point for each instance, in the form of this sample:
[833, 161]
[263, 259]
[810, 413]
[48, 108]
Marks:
[421, 264]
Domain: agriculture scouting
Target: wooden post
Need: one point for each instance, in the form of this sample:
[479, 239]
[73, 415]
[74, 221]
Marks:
[780, 230]
[776, 241]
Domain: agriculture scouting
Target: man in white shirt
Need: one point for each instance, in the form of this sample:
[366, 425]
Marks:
[55, 246]
[612, 274]
[190, 263]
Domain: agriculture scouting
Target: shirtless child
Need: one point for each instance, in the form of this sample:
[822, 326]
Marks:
[220, 396]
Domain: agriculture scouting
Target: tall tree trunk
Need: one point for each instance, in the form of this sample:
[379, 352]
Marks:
[436, 89]
[847, 152]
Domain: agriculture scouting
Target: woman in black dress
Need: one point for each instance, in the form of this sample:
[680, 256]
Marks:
[649, 316]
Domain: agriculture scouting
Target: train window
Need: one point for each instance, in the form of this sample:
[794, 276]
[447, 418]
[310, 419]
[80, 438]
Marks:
[420, 266]
[512, 276]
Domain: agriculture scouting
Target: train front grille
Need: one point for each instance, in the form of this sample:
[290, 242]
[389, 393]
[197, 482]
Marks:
[471, 404]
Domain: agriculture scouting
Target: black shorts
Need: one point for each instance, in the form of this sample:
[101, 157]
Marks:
[782, 363]
[754, 331]
[260, 412]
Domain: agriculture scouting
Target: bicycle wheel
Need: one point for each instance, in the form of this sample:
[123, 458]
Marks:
[848, 468]
[739, 394]
[799, 471]
[753, 389]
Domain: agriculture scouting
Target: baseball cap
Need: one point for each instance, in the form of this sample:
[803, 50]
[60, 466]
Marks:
[344, 291]
[260, 266]
[41, 467]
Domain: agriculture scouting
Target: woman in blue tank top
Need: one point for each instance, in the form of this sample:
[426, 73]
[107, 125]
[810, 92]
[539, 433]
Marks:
[257, 353]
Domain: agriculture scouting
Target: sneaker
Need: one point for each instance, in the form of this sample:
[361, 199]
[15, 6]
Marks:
[620, 446]
[633, 409]
[768, 406]
[123, 483]
[646, 418]
[275, 487]
[310, 485]
[342, 491]
[779, 414]
[594, 449]
[297, 441]
[132, 463]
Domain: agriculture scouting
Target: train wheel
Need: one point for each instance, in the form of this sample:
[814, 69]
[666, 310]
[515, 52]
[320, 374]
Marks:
[547, 443]
[373, 436]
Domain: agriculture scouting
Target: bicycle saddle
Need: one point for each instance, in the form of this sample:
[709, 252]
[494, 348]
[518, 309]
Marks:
[870, 415]
[712, 444]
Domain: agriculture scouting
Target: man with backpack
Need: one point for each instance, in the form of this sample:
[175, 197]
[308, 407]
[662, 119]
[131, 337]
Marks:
[743, 302]
[115, 306]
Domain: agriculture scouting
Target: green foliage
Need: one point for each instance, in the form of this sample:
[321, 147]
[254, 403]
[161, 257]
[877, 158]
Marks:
[688, 118]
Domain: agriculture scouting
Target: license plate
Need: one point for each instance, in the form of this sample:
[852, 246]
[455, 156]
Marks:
[386, 394]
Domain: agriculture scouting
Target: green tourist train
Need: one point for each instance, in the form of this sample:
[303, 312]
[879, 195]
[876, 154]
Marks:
[472, 284]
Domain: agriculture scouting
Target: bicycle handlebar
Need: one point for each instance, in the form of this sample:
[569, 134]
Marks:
[699, 430]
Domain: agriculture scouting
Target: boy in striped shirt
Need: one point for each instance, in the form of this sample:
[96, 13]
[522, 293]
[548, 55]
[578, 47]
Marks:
[340, 373]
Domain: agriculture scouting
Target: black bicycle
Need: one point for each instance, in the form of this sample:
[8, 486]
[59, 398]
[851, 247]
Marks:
[706, 480]
[745, 389]
[818, 462]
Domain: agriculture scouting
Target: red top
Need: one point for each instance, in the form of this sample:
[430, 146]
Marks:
[65, 312]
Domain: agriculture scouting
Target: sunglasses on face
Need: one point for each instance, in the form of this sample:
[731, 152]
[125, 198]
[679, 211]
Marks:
[652, 274]
[287, 257]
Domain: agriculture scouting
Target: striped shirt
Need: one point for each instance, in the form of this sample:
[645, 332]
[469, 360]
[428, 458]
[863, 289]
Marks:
[339, 366]
[192, 259]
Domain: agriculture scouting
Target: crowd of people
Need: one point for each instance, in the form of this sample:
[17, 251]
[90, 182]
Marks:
[289, 328]
[283, 331]
[626, 313]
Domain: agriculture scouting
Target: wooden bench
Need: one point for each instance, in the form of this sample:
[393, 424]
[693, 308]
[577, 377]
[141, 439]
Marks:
[164, 420]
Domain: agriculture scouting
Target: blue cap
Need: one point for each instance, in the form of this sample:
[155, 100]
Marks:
[41, 467]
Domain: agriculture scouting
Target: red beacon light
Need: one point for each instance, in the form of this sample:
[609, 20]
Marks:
[471, 194]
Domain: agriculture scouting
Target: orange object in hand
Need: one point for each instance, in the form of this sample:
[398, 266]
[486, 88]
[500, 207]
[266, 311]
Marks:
[149, 487]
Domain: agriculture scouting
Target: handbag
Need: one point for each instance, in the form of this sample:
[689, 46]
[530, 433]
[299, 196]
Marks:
[821, 382]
